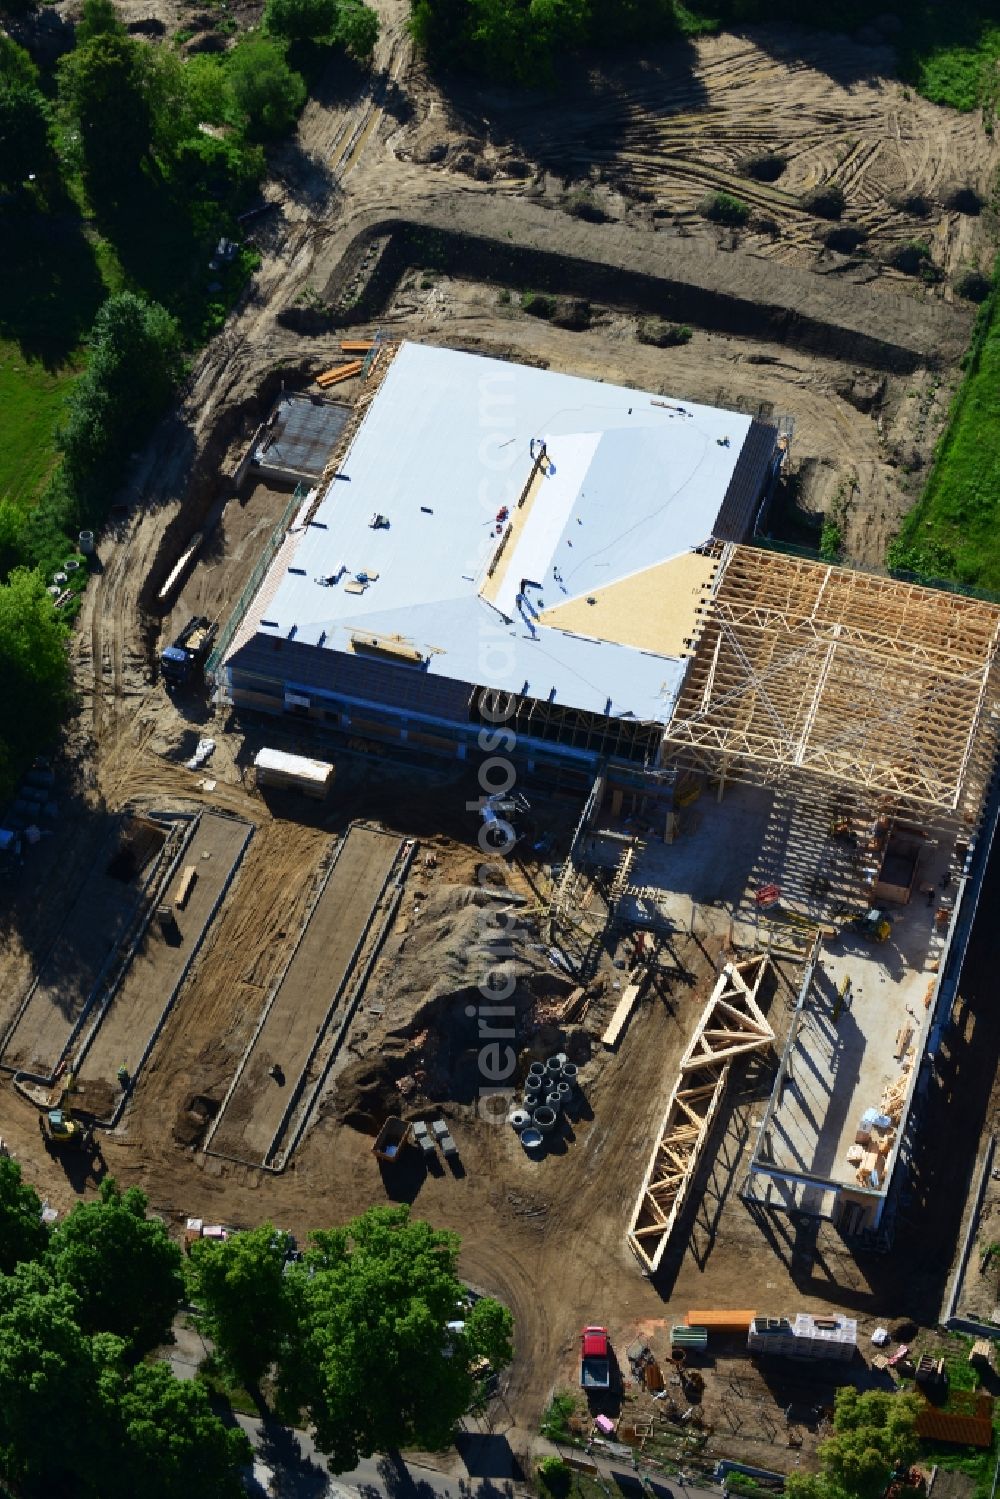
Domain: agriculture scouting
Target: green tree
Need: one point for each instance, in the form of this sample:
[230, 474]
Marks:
[488, 1330]
[373, 1362]
[23, 1235]
[34, 672]
[99, 18]
[357, 29]
[874, 1433]
[302, 20]
[135, 361]
[269, 95]
[16, 65]
[25, 141]
[104, 88]
[51, 1383]
[241, 1286]
[123, 1267]
[173, 1443]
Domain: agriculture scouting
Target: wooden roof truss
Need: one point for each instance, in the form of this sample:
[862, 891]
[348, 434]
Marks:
[886, 688]
[732, 1025]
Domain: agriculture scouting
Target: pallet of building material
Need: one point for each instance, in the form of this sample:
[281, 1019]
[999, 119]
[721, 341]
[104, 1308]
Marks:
[186, 885]
[620, 1018]
[339, 373]
[720, 1319]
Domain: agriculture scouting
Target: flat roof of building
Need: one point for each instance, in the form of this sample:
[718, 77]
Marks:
[519, 529]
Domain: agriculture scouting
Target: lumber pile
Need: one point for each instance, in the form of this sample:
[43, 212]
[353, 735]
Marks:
[338, 373]
[356, 345]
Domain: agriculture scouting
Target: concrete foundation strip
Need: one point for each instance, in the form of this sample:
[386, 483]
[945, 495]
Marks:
[125, 959]
[181, 979]
[102, 973]
[359, 988]
[272, 996]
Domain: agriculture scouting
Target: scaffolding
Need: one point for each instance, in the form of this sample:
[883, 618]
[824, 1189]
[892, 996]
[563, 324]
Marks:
[875, 685]
[732, 1025]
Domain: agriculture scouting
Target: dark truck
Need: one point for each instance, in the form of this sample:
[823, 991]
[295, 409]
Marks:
[595, 1359]
[188, 652]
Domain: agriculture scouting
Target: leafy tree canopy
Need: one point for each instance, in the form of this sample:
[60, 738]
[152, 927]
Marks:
[174, 1445]
[51, 1379]
[25, 143]
[16, 65]
[34, 672]
[268, 93]
[874, 1434]
[135, 360]
[373, 1361]
[99, 18]
[124, 1268]
[104, 88]
[23, 1235]
[241, 1285]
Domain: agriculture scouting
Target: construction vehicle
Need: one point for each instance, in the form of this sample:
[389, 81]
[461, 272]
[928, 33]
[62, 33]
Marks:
[595, 1359]
[60, 1131]
[873, 924]
[188, 651]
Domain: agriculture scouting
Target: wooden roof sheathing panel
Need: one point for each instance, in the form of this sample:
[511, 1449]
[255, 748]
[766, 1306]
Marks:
[885, 687]
[654, 610]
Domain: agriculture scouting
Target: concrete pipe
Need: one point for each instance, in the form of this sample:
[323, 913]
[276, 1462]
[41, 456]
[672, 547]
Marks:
[554, 1067]
[519, 1119]
[565, 1093]
[561, 1058]
[570, 1074]
[532, 1138]
[544, 1119]
[537, 1069]
[553, 1100]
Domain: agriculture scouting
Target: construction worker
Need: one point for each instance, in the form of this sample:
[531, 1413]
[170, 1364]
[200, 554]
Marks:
[123, 1077]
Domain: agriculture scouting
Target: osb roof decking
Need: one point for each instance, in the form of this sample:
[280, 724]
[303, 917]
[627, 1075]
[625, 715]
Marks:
[884, 687]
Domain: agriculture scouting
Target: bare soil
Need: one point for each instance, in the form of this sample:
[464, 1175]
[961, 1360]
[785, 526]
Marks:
[645, 144]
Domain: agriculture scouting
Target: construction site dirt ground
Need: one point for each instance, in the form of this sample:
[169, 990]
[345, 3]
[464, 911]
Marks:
[546, 1236]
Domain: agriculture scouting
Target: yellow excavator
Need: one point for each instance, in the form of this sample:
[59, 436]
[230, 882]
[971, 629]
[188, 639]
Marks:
[58, 1128]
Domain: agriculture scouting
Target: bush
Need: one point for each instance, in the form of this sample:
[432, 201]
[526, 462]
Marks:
[555, 1422]
[826, 202]
[662, 335]
[973, 286]
[724, 208]
[964, 200]
[913, 259]
[845, 238]
[765, 167]
[583, 205]
[830, 541]
[555, 1476]
[538, 304]
[914, 204]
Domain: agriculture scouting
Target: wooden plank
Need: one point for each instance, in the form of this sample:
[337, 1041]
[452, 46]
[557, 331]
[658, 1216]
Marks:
[356, 345]
[186, 885]
[621, 1017]
[342, 372]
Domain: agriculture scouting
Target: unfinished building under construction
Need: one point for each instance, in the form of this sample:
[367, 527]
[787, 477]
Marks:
[795, 757]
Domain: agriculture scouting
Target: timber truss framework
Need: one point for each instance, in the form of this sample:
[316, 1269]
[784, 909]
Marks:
[732, 1025]
[888, 689]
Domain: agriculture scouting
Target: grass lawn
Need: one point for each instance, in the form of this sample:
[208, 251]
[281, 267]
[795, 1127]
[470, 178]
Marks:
[954, 530]
[31, 399]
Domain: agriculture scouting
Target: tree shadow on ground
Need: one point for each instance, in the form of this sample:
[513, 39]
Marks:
[50, 282]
